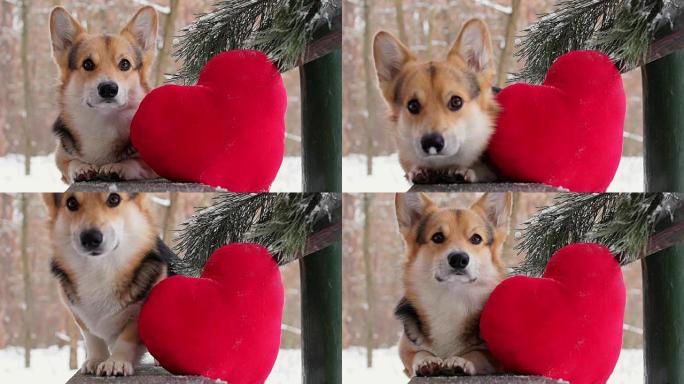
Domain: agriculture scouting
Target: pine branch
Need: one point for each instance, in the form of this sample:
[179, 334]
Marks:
[621, 222]
[279, 28]
[280, 222]
[622, 29]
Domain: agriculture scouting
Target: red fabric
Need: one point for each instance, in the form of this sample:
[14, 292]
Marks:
[566, 325]
[566, 132]
[224, 325]
[226, 131]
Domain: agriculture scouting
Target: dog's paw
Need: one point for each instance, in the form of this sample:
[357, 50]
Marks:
[457, 366]
[429, 366]
[114, 367]
[129, 169]
[89, 366]
[420, 176]
[459, 175]
[81, 172]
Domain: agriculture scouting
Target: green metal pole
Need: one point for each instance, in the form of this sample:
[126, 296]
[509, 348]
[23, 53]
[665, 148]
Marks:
[321, 272]
[663, 272]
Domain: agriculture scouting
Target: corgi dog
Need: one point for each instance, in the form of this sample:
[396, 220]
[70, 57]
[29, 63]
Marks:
[452, 265]
[443, 111]
[103, 78]
[107, 257]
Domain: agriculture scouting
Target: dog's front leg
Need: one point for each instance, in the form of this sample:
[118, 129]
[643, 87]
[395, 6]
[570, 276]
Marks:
[482, 361]
[126, 353]
[96, 352]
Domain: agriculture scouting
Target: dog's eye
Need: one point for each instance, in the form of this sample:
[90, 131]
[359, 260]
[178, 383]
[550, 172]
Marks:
[438, 238]
[413, 106]
[72, 204]
[124, 65]
[455, 103]
[475, 239]
[113, 200]
[88, 65]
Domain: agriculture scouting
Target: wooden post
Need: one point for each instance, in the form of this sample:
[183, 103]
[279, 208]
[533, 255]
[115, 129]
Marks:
[321, 272]
[663, 272]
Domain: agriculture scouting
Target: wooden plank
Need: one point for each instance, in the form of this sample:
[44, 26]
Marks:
[327, 34]
[145, 374]
[484, 187]
[496, 379]
[154, 185]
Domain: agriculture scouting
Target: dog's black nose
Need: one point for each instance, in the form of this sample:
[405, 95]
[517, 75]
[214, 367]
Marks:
[107, 89]
[91, 239]
[458, 260]
[432, 143]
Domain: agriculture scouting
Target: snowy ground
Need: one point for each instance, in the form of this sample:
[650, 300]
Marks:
[389, 177]
[388, 369]
[46, 178]
[49, 365]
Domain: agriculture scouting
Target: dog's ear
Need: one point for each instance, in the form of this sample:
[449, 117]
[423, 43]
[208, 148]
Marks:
[474, 46]
[411, 207]
[496, 207]
[52, 202]
[64, 30]
[143, 28]
[390, 56]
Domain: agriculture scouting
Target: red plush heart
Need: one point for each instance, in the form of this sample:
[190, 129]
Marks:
[566, 132]
[226, 131]
[224, 325]
[565, 325]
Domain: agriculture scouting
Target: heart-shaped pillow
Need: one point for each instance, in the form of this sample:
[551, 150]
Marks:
[224, 325]
[565, 325]
[226, 131]
[566, 132]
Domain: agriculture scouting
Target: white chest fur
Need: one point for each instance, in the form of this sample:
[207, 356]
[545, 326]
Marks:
[101, 133]
[449, 307]
[99, 306]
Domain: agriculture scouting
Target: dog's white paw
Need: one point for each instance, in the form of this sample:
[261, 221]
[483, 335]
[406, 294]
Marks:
[114, 367]
[129, 169]
[79, 171]
[457, 366]
[90, 366]
[429, 366]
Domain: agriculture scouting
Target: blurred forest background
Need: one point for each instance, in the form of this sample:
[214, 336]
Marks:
[31, 312]
[374, 255]
[429, 28]
[29, 76]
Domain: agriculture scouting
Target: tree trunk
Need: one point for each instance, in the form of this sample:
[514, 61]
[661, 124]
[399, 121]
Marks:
[169, 218]
[165, 51]
[28, 103]
[26, 268]
[401, 27]
[370, 298]
[73, 333]
[370, 85]
[507, 51]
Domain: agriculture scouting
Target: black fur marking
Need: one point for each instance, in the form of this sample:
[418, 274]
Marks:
[420, 235]
[65, 281]
[147, 274]
[490, 234]
[167, 255]
[66, 138]
[138, 58]
[473, 85]
[407, 314]
[496, 90]
[73, 56]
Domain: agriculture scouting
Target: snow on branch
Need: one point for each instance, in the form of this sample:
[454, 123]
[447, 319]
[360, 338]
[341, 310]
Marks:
[496, 6]
[160, 8]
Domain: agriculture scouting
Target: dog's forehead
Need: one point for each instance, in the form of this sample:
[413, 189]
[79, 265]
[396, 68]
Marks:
[101, 47]
[436, 79]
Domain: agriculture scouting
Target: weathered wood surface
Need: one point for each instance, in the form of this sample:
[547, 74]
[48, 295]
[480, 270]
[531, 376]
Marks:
[155, 185]
[484, 187]
[498, 379]
[145, 374]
